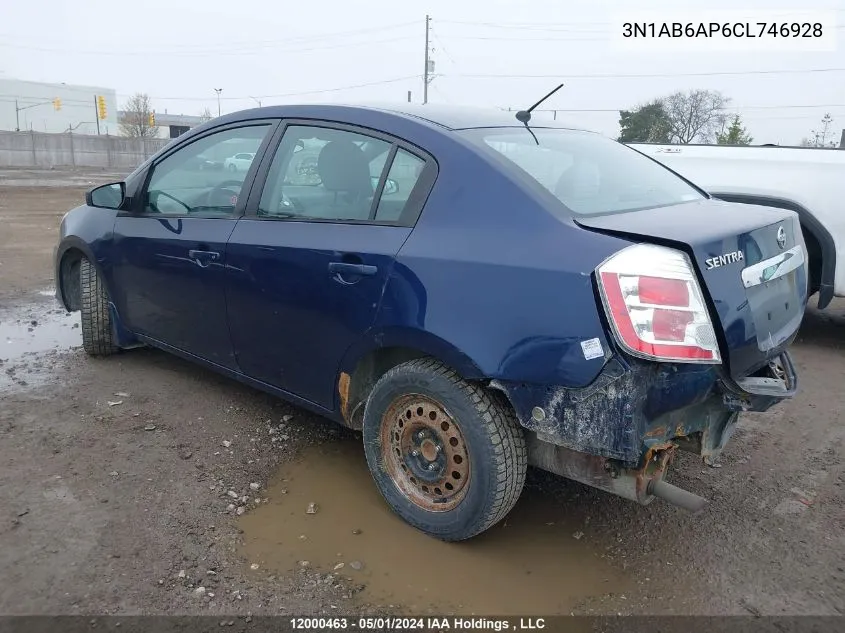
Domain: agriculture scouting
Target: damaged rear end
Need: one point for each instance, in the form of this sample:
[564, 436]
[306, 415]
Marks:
[699, 304]
[622, 432]
[699, 336]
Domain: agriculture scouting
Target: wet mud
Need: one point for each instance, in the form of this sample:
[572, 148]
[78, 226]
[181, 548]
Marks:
[536, 561]
[29, 335]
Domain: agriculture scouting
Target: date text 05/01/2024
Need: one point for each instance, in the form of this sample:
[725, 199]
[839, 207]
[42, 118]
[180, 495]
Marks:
[722, 29]
[416, 624]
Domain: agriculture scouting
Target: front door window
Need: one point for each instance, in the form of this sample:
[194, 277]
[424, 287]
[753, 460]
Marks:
[193, 181]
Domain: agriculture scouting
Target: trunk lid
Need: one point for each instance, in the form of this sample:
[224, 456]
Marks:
[750, 262]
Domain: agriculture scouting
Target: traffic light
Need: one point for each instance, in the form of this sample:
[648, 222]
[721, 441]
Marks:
[152, 119]
[101, 107]
[57, 104]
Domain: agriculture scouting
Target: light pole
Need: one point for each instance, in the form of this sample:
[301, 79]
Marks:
[218, 91]
[258, 101]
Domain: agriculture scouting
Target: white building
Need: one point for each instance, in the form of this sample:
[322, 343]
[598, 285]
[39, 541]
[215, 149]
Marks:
[29, 105]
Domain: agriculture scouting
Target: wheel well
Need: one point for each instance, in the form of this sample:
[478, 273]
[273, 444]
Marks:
[355, 388]
[69, 281]
[821, 250]
[814, 258]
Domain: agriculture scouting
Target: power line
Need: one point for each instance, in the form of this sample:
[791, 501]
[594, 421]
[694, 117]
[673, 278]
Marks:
[609, 35]
[364, 85]
[189, 53]
[317, 36]
[555, 26]
[804, 117]
[531, 27]
[646, 75]
[228, 98]
[764, 107]
[764, 116]
[293, 94]
[527, 39]
[442, 94]
[443, 47]
[236, 45]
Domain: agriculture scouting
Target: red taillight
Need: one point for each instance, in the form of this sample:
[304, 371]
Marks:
[655, 305]
[672, 292]
[671, 325]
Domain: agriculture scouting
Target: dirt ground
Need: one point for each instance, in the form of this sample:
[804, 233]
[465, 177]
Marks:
[143, 484]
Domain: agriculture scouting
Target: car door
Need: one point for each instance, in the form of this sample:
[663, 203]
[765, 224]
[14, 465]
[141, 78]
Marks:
[170, 249]
[308, 262]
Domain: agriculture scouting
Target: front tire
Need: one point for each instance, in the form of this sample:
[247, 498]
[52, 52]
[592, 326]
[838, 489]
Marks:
[97, 334]
[448, 456]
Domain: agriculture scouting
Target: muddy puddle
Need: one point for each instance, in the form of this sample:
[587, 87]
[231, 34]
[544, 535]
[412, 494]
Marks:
[27, 334]
[534, 562]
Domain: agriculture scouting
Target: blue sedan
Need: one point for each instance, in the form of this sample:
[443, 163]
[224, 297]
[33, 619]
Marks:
[473, 292]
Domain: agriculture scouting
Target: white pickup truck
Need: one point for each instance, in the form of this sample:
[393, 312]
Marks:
[809, 181]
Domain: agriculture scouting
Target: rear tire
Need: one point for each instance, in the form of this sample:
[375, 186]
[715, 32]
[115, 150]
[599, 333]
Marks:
[97, 334]
[449, 457]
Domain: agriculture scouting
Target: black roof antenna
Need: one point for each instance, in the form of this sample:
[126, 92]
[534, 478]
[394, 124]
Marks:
[524, 116]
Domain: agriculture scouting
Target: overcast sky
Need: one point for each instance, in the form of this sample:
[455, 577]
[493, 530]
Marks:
[278, 51]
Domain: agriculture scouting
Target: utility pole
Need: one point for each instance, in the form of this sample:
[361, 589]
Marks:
[17, 117]
[218, 91]
[425, 75]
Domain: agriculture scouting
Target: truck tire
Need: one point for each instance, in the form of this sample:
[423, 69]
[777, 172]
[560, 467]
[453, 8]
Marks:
[97, 336]
[448, 456]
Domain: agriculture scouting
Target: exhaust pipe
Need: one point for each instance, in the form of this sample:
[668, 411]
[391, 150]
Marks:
[593, 471]
[676, 496]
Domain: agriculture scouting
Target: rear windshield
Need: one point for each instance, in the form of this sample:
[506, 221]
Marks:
[590, 174]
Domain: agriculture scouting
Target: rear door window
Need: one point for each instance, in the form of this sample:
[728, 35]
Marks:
[401, 180]
[323, 174]
[340, 175]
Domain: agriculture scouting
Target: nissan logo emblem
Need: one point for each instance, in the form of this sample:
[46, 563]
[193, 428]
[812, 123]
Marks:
[781, 237]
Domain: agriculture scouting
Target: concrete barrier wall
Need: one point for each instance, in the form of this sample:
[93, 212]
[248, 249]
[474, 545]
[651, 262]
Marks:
[37, 149]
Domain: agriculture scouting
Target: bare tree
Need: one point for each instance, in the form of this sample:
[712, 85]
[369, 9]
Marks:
[818, 137]
[206, 115]
[695, 115]
[137, 117]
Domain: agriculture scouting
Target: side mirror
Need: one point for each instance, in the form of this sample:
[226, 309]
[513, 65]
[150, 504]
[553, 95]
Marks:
[106, 196]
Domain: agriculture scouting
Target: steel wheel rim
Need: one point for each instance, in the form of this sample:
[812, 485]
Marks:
[424, 452]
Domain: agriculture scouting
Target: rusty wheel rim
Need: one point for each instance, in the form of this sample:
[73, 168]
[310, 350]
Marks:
[424, 453]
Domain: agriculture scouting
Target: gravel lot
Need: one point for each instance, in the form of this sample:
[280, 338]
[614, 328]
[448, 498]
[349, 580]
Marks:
[143, 484]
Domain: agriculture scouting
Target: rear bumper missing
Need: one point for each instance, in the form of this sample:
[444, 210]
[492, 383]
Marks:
[777, 381]
[622, 432]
